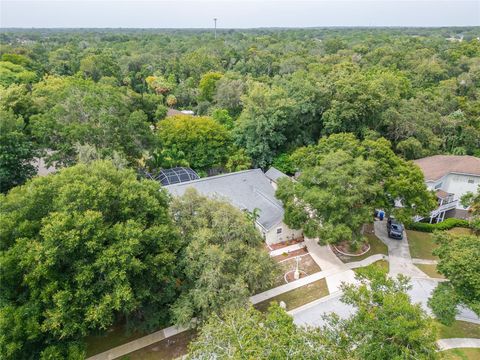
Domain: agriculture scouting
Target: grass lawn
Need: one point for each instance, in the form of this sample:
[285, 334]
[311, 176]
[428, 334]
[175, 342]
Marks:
[459, 329]
[376, 247]
[461, 354]
[382, 264]
[430, 270]
[460, 231]
[114, 337]
[298, 297]
[172, 348]
[421, 245]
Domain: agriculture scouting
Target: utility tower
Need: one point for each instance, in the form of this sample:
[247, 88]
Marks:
[215, 23]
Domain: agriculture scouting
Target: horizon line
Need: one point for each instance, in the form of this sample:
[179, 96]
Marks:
[246, 28]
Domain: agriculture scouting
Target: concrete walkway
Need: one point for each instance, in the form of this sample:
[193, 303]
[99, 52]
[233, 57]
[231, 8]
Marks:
[138, 344]
[455, 343]
[398, 253]
[368, 261]
[287, 249]
[257, 298]
[328, 261]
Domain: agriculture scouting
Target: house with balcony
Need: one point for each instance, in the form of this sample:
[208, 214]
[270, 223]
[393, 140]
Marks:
[450, 176]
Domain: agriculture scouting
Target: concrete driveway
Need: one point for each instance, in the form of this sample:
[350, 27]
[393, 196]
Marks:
[398, 253]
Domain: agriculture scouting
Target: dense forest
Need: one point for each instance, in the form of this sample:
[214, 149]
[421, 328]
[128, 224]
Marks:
[261, 94]
[97, 246]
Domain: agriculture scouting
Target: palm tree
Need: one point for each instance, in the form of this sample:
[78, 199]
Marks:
[253, 215]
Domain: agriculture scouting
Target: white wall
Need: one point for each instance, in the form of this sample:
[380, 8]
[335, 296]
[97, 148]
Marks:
[271, 237]
[457, 184]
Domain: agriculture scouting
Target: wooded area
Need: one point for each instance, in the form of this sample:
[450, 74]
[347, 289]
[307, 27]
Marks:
[97, 245]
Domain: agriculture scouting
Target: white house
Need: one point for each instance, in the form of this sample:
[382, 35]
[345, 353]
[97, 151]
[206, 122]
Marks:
[247, 190]
[450, 176]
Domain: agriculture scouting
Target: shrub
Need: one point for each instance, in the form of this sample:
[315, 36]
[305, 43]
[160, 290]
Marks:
[444, 225]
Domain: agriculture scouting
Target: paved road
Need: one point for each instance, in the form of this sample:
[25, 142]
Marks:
[311, 314]
[398, 253]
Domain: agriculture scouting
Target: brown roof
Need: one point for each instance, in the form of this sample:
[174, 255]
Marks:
[435, 167]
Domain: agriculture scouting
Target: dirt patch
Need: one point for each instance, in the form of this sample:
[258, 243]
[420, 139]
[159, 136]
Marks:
[346, 248]
[285, 244]
[307, 264]
[285, 256]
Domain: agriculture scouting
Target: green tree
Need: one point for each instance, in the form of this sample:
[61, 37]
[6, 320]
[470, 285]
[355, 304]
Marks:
[208, 84]
[161, 112]
[343, 180]
[223, 117]
[410, 148]
[238, 160]
[223, 261]
[97, 66]
[444, 303]
[62, 61]
[75, 111]
[229, 94]
[16, 152]
[263, 125]
[204, 142]
[81, 250]
[246, 333]
[471, 201]
[460, 263]
[11, 73]
[386, 325]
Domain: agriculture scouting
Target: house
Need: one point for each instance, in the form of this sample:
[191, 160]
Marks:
[174, 112]
[450, 176]
[273, 175]
[247, 190]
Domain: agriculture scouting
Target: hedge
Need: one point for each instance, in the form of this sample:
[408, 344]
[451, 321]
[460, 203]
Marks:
[447, 224]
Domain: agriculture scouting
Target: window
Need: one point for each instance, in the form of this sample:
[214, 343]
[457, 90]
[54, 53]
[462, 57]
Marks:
[471, 181]
[438, 186]
[279, 230]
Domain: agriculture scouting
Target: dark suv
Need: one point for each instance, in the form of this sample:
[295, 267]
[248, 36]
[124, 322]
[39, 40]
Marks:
[394, 229]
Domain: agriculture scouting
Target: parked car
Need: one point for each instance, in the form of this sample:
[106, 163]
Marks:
[394, 229]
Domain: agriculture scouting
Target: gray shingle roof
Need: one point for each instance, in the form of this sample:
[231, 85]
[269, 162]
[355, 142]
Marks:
[247, 189]
[274, 174]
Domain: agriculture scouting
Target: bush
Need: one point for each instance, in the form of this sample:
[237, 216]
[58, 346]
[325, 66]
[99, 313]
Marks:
[444, 225]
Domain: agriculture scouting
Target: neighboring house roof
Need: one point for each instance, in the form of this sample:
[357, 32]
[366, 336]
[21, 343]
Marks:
[247, 189]
[437, 166]
[274, 174]
[173, 112]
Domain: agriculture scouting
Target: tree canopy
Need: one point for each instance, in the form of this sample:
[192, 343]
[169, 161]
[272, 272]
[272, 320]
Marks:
[460, 263]
[81, 250]
[343, 180]
[385, 325]
[223, 261]
[16, 151]
[204, 142]
[72, 111]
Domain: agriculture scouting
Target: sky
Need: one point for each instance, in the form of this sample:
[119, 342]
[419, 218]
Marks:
[236, 14]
